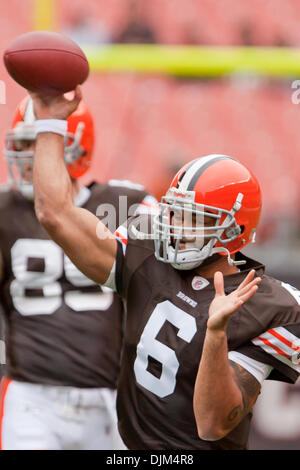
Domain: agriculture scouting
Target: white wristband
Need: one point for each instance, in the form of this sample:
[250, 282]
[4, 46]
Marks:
[57, 126]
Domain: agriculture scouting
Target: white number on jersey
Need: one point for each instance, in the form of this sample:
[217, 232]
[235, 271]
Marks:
[55, 263]
[150, 346]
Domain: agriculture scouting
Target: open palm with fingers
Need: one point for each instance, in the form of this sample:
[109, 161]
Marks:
[223, 306]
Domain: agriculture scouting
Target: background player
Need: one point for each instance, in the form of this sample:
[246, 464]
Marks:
[167, 308]
[63, 332]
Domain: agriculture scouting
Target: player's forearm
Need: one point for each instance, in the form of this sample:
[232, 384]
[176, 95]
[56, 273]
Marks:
[52, 185]
[80, 234]
[217, 398]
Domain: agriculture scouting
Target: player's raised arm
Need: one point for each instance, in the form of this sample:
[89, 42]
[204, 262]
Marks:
[81, 235]
[224, 393]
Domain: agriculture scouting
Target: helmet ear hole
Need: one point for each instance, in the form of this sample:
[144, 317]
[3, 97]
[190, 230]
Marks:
[242, 228]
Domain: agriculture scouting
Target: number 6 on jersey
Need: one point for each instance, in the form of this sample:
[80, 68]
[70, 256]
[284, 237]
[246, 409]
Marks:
[150, 346]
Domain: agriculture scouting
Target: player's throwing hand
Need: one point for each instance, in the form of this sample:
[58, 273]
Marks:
[55, 107]
[223, 306]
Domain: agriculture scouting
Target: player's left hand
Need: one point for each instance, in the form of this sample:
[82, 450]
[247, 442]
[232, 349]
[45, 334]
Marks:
[223, 306]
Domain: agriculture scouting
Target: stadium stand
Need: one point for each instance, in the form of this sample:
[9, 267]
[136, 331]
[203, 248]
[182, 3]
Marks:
[147, 125]
[269, 20]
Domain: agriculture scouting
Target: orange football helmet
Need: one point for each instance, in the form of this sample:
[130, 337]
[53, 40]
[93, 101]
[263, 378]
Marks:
[19, 151]
[221, 199]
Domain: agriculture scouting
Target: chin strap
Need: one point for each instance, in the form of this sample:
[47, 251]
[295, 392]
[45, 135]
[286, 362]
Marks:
[231, 261]
[236, 207]
[74, 151]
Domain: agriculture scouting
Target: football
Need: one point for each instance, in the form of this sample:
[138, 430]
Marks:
[46, 62]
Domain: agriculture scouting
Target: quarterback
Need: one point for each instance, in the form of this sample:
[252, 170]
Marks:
[205, 326]
[64, 333]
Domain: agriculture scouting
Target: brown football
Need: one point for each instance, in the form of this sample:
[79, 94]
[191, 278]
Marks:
[46, 62]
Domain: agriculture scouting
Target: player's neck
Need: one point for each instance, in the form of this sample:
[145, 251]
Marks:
[220, 264]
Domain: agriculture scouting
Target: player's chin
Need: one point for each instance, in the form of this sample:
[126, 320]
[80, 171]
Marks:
[180, 246]
[185, 246]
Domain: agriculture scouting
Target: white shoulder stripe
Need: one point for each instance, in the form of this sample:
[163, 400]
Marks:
[122, 235]
[126, 184]
[122, 230]
[287, 337]
[281, 344]
[274, 342]
[148, 205]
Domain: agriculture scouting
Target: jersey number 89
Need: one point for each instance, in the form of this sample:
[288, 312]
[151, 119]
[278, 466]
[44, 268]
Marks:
[55, 263]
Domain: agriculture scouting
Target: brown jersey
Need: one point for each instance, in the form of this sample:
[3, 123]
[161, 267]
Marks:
[61, 328]
[2, 343]
[167, 311]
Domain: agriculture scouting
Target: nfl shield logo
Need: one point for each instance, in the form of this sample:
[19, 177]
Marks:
[199, 283]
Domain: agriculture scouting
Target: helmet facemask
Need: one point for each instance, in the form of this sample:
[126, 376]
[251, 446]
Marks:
[186, 232]
[73, 149]
[19, 154]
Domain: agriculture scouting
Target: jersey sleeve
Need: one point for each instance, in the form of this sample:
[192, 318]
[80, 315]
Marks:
[279, 348]
[121, 234]
[139, 203]
[2, 342]
[114, 280]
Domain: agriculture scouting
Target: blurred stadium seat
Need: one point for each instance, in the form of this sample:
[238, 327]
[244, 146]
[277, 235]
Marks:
[214, 22]
[148, 125]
